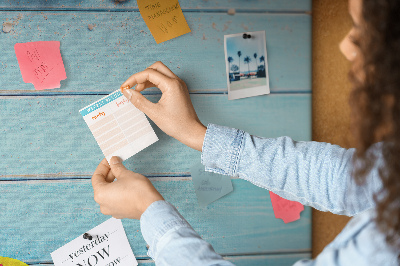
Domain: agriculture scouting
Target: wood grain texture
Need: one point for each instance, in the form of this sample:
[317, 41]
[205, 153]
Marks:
[267, 260]
[45, 140]
[121, 44]
[194, 5]
[249, 260]
[331, 89]
[46, 136]
[45, 216]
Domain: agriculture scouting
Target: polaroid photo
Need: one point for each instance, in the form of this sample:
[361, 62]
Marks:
[246, 64]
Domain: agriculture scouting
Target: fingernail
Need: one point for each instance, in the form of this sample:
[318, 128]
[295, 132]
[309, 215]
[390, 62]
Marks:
[129, 93]
[124, 88]
[115, 160]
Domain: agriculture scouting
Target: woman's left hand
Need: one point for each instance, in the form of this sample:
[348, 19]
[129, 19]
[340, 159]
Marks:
[127, 197]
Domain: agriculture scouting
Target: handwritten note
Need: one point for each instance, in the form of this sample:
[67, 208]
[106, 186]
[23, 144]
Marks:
[41, 64]
[209, 186]
[164, 18]
[284, 209]
[108, 247]
[118, 126]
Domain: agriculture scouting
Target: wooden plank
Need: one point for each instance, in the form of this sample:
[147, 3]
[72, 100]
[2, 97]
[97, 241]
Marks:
[46, 136]
[268, 260]
[193, 5]
[45, 216]
[121, 44]
[249, 260]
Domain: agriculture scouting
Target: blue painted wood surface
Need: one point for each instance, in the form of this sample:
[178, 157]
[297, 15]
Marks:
[47, 154]
[249, 225]
[121, 44]
[249, 260]
[52, 139]
[268, 260]
[194, 5]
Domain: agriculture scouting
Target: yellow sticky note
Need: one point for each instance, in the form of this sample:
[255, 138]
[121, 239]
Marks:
[11, 262]
[164, 18]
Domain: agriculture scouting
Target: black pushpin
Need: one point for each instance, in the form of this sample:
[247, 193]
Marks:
[87, 236]
[246, 36]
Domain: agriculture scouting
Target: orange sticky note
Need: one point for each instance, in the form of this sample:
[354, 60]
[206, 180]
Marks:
[164, 18]
[41, 63]
[284, 209]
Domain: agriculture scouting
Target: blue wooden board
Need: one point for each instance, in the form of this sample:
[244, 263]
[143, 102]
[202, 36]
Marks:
[268, 260]
[249, 225]
[52, 139]
[194, 5]
[121, 44]
[249, 260]
[47, 153]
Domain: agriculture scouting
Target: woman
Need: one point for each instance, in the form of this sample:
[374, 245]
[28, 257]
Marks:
[362, 182]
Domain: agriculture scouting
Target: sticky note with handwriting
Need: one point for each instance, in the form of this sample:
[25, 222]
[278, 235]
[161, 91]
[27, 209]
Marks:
[118, 126]
[108, 246]
[164, 18]
[41, 64]
[284, 209]
[209, 186]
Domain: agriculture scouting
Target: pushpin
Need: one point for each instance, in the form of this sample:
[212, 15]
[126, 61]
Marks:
[246, 36]
[88, 236]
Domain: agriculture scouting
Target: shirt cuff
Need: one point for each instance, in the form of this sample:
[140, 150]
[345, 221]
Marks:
[157, 220]
[221, 150]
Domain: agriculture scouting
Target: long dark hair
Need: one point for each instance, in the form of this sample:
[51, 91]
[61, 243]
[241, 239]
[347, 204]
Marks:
[375, 103]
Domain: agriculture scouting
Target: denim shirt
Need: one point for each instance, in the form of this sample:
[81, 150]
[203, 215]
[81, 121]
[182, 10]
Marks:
[312, 173]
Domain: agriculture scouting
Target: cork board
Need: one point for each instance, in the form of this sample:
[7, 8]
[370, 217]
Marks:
[331, 89]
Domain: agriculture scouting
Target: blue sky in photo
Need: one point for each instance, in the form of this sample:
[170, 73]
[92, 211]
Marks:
[248, 47]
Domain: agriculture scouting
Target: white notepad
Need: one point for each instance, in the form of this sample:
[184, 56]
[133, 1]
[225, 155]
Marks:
[118, 126]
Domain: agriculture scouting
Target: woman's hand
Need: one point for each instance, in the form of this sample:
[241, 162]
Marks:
[174, 113]
[127, 197]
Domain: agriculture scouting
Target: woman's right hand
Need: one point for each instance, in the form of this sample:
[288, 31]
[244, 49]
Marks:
[174, 113]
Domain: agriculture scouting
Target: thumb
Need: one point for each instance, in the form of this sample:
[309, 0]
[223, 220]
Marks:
[139, 101]
[99, 175]
[117, 167]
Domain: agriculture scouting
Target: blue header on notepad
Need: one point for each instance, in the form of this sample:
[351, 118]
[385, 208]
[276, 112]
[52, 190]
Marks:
[101, 103]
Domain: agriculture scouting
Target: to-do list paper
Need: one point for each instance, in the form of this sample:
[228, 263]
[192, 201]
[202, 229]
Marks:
[118, 126]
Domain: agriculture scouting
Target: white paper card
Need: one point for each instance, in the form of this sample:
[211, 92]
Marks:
[118, 126]
[109, 247]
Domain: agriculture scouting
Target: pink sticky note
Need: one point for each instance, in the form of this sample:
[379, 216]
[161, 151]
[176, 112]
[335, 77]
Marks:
[284, 209]
[41, 64]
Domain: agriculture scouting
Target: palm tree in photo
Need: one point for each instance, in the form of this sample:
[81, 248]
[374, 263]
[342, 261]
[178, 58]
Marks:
[247, 60]
[262, 59]
[234, 68]
[239, 54]
[255, 60]
[230, 60]
[264, 72]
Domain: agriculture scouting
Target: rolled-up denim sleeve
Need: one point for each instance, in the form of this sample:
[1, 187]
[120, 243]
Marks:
[313, 173]
[171, 239]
